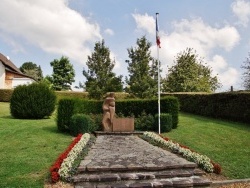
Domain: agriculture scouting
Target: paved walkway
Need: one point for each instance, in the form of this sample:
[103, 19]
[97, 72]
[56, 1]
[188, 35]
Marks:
[122, 161]
[119, 152]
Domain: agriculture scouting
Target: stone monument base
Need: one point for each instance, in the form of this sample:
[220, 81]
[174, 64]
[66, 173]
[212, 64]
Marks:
[123, 124]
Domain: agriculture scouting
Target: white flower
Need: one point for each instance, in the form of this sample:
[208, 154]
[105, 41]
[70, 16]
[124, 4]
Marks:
[67, 163]
[202, 160]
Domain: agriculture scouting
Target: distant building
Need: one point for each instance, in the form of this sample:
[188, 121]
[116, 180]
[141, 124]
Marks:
[10, 75]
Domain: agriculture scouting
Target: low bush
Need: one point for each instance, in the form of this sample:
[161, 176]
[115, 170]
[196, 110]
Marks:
[97, 119]
[144, 122]
[81, 123]
[166, 123]
[34, 101]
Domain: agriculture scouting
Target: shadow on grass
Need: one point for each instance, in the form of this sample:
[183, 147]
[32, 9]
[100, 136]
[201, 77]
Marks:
[7, 117]
[222, 122]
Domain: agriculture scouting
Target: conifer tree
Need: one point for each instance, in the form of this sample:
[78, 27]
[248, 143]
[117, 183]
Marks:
[142, 80]
[99, 77]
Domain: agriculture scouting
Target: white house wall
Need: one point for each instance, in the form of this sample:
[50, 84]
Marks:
[21, 81]
[2, 76]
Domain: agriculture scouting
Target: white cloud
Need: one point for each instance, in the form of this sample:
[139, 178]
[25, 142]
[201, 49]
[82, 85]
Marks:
[50, 25]
[206, 36]
[145, 22]
[226, 74]
[229, 77]
[16, 47]
[113, 56]
[218, 63]
[241, 9]
[206, 40]
[203, 38]
[109, 32]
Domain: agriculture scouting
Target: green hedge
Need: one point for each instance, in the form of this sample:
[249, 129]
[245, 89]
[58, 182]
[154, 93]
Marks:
[81, 123]
[145, 122]
[84, 95]
[65, 111]
[70, 94]
[234, 106]
[166, 123]
[68, 107]
[5, 95]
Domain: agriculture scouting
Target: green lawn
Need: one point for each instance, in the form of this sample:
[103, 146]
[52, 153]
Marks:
[226, 143]
[28, 149]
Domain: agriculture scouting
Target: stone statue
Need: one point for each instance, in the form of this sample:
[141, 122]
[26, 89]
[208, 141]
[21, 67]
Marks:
[108, 112]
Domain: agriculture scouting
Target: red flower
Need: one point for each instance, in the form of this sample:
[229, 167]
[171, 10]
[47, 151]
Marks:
[54, 176]
[56, 166]
[217, 167]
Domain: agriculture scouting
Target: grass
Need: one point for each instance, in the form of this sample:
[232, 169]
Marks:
[28, 149]
[226, 143]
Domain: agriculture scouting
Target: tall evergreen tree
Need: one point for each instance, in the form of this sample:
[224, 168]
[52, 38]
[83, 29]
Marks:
[32, 70]
[246, 73]
[100, 78]
[142, 68]
[63, 74]
[188, 74]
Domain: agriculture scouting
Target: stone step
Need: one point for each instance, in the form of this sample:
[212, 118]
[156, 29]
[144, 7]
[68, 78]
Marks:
[194, 181]
[146, 167]
[165, 178]
[120, 176]
[98, 133]
[128, 161]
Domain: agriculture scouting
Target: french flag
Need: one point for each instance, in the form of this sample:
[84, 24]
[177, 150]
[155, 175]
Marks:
[158, 42]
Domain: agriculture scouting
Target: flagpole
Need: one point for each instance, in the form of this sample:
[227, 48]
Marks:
[159, 88]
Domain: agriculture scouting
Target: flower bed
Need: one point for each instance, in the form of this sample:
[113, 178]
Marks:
[62, 166]
[203, 161]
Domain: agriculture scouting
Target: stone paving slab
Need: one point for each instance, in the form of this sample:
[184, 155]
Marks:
[174, 182]
[121, 176]
[126, 153]
[119, 161]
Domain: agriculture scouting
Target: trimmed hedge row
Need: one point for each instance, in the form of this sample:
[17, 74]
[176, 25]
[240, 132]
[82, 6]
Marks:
[70, 94]
[234, 106]
[5, 95]
[69, 107]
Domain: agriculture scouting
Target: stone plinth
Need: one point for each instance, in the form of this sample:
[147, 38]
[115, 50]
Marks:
[123, 124]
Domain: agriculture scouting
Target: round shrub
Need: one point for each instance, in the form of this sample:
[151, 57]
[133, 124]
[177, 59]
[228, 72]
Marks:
[144, 122]
[34, 101]
[81, 123]
[166, 122]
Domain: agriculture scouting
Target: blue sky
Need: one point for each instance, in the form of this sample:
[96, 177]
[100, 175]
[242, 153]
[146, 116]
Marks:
[41, 31]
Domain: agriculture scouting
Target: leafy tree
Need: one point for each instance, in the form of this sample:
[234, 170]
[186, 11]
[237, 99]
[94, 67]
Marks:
[190, 75]
[32, 70]
[100, 78]
[63, 74]
[47, 80]
[246, 74]
[142, 68]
